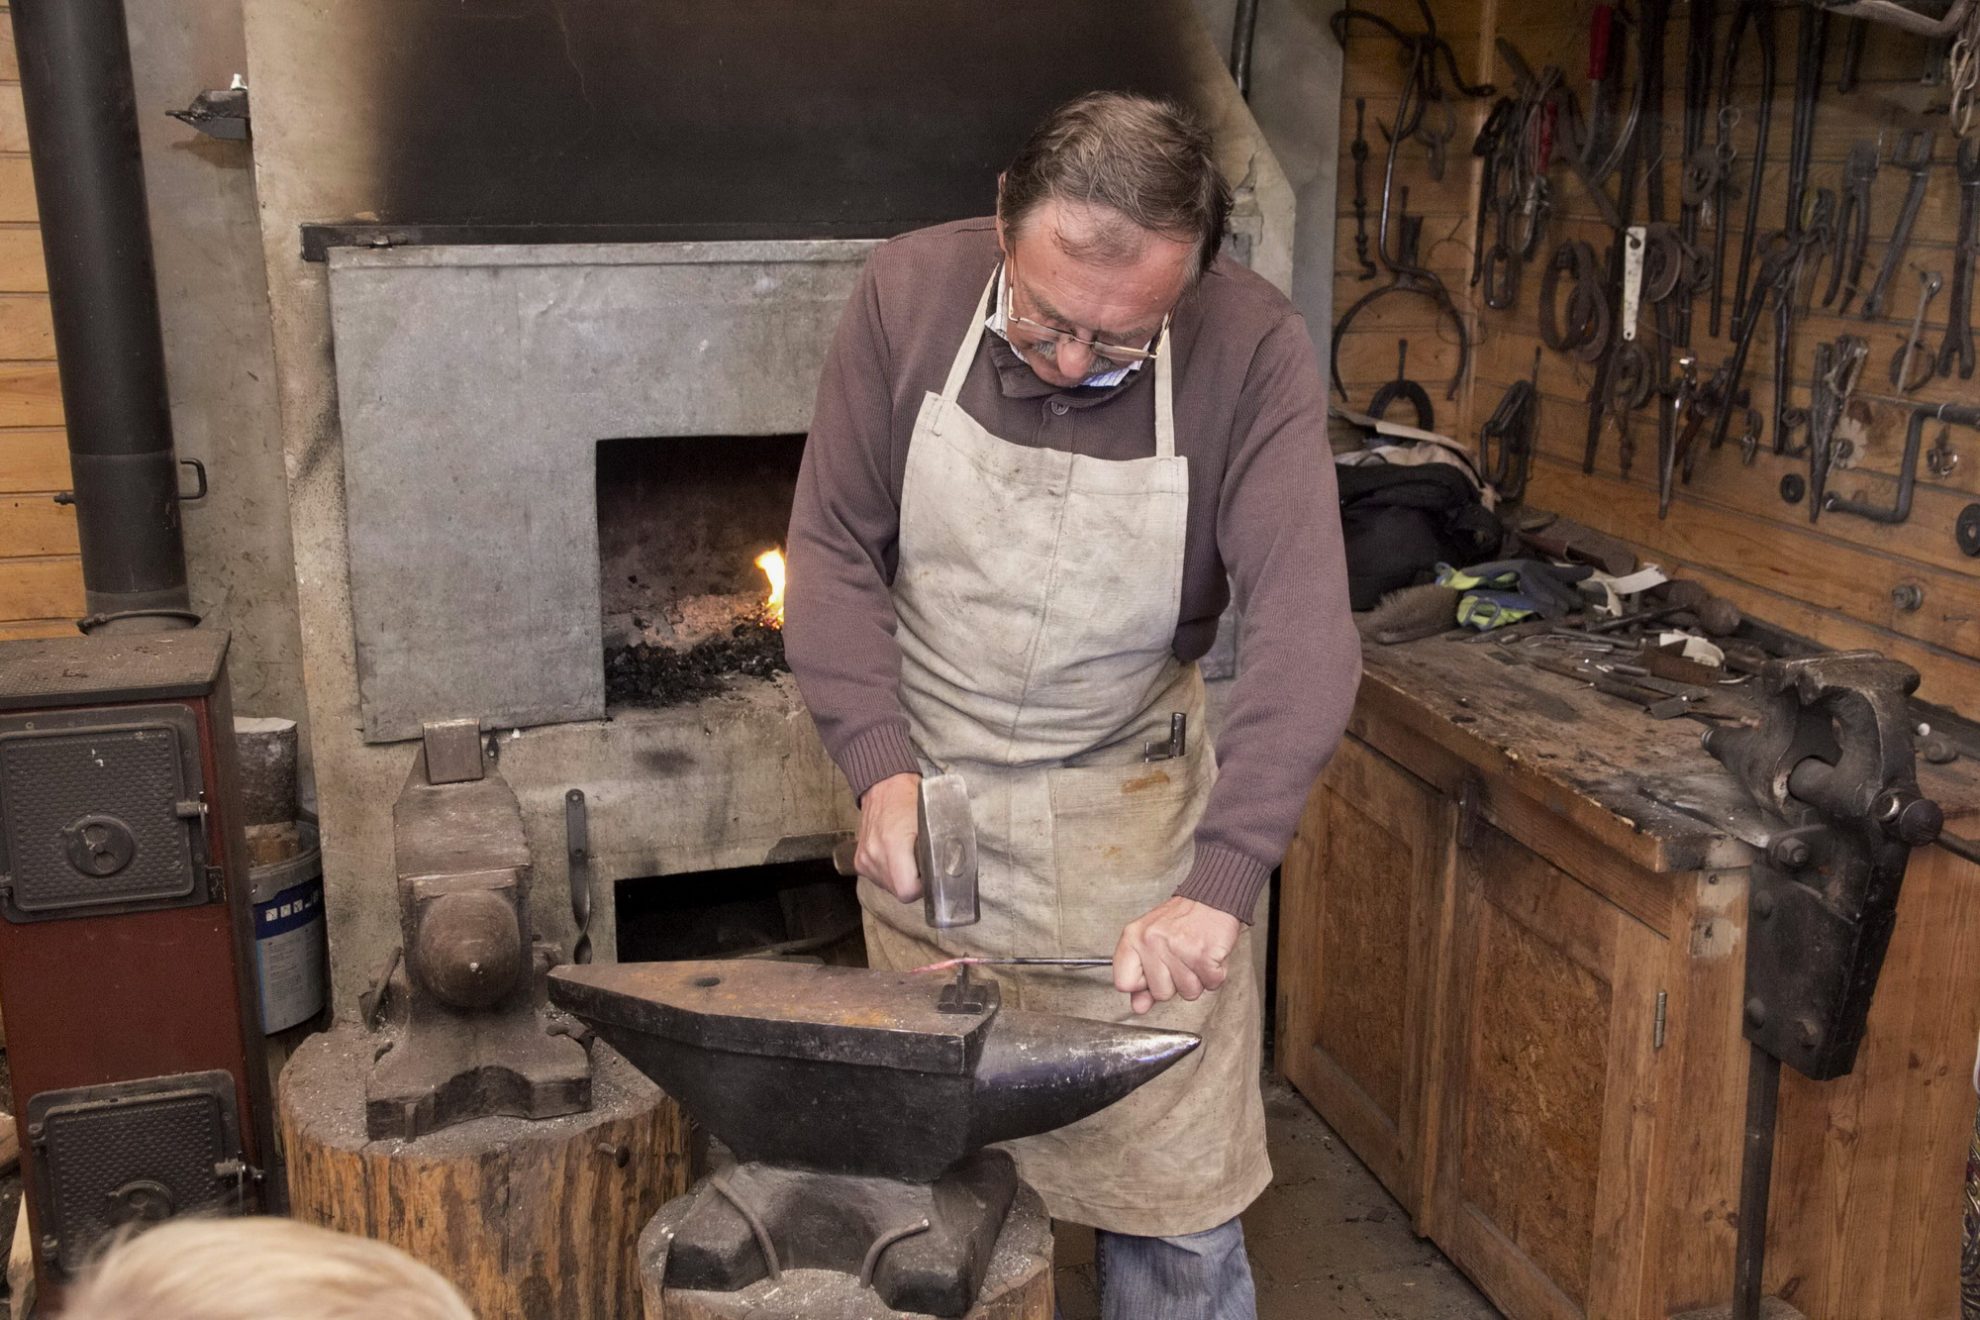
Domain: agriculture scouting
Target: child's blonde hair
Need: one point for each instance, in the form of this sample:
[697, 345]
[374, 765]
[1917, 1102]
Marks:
[258, 1269]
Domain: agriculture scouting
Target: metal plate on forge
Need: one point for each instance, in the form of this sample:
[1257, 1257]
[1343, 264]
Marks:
[783, 1010]
[145, 1150]
[100, 812]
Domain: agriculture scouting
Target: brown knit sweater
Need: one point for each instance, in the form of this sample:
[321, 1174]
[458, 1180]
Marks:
[1264, 519]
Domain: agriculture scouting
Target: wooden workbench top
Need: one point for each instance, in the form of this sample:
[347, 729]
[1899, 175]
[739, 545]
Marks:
[1643, 787]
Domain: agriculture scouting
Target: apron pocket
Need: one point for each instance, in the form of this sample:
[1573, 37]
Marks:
[1122, 840]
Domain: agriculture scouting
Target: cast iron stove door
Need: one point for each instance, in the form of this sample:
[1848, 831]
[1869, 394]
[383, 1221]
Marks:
[100, 812]
[132, 1151]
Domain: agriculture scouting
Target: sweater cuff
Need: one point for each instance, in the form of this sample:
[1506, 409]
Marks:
[1225, 879]
[878, 754]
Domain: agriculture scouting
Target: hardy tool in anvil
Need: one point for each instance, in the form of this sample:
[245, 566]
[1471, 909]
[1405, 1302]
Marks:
[859, 1109]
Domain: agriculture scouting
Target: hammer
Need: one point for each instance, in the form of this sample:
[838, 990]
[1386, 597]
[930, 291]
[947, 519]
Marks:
[944, 852]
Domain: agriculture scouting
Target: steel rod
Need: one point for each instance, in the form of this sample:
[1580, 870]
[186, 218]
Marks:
[1756, 1173]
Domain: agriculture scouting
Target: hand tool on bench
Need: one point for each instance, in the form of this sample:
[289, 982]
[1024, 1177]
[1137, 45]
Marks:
[1957, 347]
[944, 852]
[1914, 154]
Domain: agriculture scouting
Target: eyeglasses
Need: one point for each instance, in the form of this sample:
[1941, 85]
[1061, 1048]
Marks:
[1112, 355]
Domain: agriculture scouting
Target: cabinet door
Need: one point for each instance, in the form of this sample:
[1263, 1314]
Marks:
[1358, 899]
[1546, 1090]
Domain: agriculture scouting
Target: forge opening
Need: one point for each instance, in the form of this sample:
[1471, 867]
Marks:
[682, 524]
[786, 909]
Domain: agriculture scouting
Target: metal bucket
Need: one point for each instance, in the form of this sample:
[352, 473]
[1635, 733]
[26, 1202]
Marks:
[290, 952]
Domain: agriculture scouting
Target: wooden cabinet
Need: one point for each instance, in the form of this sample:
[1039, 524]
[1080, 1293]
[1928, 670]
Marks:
[1511, 965]
[1371, 852]
[1548, 1072]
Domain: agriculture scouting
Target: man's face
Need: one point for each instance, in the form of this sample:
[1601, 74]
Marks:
[1118, 302]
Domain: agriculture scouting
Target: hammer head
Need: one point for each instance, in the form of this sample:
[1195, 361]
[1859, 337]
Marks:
[945, 851]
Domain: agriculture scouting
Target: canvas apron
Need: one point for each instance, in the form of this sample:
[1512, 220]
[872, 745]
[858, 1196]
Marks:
[1037, 594]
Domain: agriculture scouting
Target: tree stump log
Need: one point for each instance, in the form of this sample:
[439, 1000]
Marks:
[531, 1220]
[1017, 1287]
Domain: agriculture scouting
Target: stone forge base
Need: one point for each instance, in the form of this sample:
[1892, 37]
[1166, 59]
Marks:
[1018, 1285]
[531, 1219]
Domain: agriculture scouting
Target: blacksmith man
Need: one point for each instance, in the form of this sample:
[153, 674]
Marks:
[1047, 448]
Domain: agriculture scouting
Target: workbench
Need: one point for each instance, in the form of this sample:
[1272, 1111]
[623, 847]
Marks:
[1510, 973]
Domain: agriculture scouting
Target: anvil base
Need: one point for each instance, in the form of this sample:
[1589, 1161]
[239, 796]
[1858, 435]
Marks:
[865, 1227]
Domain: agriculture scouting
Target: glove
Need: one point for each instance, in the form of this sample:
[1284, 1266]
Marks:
[1505, 591]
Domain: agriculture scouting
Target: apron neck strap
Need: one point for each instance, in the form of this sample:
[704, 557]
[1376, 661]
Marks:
[965, 355]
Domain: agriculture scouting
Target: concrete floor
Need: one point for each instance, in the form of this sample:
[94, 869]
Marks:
[1327, 1241]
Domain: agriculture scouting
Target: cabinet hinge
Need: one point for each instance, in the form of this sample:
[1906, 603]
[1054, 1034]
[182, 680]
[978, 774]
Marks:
[1657, 1022]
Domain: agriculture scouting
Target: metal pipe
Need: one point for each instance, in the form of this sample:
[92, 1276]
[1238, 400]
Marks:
[89, 185]
[1244, 27]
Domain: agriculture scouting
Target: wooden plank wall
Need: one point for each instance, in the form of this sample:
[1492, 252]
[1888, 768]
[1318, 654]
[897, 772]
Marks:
[40, 573]
[1831, 578]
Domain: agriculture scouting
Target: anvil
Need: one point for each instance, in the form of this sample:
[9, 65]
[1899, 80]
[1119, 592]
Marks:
[846, 1070]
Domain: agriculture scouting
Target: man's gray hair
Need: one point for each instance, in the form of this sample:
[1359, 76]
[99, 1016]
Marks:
[1147, 159]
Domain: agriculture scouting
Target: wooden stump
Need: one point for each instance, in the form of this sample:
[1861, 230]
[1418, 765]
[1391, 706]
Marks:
[531, 1220]
[1017, 1287]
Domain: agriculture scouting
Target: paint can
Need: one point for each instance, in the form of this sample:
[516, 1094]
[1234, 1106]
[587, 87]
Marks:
[290, 951]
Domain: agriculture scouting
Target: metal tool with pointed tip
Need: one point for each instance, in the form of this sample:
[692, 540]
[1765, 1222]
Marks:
[849, 1070]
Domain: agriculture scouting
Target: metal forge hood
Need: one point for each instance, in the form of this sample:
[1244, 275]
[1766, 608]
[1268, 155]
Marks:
[847, 1070]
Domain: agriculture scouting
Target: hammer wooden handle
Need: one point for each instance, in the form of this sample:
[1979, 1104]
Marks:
[842, 856]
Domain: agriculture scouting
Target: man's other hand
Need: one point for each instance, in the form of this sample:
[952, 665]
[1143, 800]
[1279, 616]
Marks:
[889, 819]
[1179, 948]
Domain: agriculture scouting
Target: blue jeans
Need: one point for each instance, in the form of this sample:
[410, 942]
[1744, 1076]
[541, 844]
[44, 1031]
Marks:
[1203, 1276]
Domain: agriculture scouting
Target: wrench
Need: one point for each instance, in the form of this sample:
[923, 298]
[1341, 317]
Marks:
[1958, 343]
[1930, 282]
[1914, 153]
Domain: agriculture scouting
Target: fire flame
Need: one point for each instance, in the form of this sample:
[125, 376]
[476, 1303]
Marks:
[772, 564]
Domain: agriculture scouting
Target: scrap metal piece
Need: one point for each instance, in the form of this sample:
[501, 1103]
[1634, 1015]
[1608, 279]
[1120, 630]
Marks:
[849, 1070]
